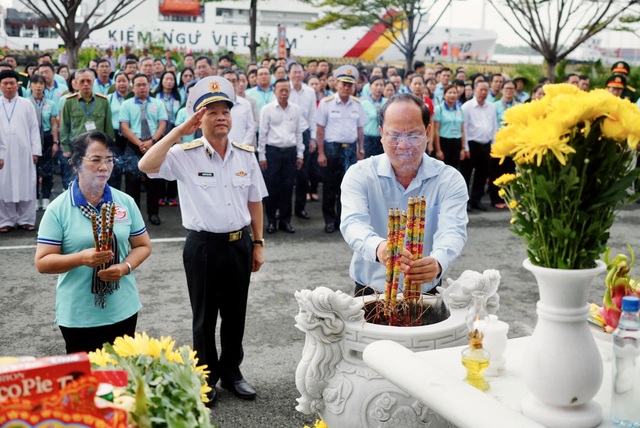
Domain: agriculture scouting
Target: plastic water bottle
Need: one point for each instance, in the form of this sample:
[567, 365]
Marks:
[625, 398]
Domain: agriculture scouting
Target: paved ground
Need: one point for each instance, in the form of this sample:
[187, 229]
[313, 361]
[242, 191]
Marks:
[273, 346]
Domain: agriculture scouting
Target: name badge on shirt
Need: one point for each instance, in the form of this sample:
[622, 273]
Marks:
[205, 174]
[334, 114]
[355, 114]
[89, 126]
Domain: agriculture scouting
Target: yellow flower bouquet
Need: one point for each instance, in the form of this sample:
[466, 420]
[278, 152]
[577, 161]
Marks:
[166, 387]
[574, 156]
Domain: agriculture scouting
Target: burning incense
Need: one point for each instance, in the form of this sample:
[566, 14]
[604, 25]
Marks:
[94, 227]
[103, 227]
[112, 217]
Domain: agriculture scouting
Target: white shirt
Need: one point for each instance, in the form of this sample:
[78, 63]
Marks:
[19, 142]
[306, 100]
[480, 122]
[340, 121]
[214, 192]
[280, 128]
[242, 124]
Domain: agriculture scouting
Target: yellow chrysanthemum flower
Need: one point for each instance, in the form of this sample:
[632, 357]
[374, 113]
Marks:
[504, 179]
[553, 91]
[101, 358]
[541, 137]
[502, 193]
[513, 205]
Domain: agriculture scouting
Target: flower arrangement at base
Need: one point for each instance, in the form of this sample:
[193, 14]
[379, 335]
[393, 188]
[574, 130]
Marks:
[166, 387]
[573, 152]
[319, 424]
[619, 284]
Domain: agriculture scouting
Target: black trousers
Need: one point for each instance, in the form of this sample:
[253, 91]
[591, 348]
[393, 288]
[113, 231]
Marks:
[279, 178]
[92, 338]
[339, 158]
[478, 165]
[451, 148]
[133, 183]
[44, 168]
[218, 274]
[302, 176]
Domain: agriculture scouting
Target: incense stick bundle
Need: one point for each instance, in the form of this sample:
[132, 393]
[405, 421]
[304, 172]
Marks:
[94, 227]
[112, 216]
[103, 228]
[391, 237]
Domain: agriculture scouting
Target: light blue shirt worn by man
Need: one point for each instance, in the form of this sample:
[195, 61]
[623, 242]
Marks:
[130, 111]
[370, 189]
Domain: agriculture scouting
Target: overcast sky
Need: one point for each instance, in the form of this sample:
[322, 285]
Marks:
[468, 14]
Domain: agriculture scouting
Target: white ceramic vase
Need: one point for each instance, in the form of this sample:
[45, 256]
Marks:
[562, 368]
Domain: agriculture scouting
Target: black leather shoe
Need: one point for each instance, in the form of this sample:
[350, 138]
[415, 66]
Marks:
[479, 206]
[303, 214]
[155, 219]
[240, 389]
[286, 227]
[329, 227]
[271, 228]
[213, 397]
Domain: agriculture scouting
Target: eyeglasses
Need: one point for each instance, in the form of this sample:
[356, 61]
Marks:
[412, 139]
[110, 161]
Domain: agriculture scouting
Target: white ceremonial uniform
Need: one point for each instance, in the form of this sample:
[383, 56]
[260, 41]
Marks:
[280, 128]
[213, 191]
[306, 100]
[243, 126]
[21, 140]
[340, 121]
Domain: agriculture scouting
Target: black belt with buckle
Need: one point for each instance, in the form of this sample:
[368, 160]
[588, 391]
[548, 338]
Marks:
[342, 145]
[227, 236]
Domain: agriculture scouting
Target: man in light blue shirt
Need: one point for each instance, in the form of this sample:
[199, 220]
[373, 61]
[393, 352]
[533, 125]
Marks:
[373, 186]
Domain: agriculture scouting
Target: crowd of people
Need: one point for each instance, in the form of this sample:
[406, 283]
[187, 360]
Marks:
[137, 99]
[222, 143]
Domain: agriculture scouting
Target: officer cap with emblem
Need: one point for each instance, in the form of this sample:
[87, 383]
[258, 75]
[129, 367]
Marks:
[346, 73]
[209, 90]
[620, 67]
[616, 81]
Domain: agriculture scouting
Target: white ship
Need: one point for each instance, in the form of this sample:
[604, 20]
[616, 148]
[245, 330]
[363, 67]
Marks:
[224, 25]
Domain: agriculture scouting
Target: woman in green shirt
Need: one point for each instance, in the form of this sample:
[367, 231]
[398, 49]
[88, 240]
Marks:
[372, 105]
[448, 130]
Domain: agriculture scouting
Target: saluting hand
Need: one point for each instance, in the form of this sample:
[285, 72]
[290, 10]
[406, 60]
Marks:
[191, 125]
[92, 258]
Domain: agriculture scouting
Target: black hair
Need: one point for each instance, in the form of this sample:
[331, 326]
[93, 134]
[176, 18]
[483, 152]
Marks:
[281, 81]
[80, 144]
[426, 116]
[375, 78]
[174, 91]
[48, 65]
[294, 64]
[202, 57]
[101, 60]
[137, 75]
[181, 83]
[37, 78]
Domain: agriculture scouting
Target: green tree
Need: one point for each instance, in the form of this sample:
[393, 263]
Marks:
[402, 22]
[555, 28]
[62, 15]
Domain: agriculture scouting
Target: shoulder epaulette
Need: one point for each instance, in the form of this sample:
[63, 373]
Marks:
[356, 99]
[75, 94]
[191, 145]
[328, 98]
[631, 89]
[100, 95]
[22, 73]
[244, 147]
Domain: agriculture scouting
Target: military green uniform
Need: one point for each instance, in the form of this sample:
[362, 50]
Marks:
[78, 117]
[23, 80]
[621, 68]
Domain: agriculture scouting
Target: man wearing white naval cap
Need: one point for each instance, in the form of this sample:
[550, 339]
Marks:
[221, 189]
[340, 120]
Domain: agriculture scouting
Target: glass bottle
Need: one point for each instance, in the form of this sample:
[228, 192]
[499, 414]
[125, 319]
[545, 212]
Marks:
[625, 397]
[475, 358]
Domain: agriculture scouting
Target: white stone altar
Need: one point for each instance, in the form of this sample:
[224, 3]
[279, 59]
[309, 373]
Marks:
[332, 378]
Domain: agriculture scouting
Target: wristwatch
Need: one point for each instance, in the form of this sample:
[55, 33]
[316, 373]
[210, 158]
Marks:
[258, 242]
